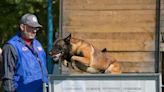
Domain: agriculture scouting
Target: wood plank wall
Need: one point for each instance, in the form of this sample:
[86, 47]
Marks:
[162, 41]
[125, 27]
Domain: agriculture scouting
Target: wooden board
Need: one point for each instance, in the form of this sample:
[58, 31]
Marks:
[108, 4]
[110, 19]
[133, 56]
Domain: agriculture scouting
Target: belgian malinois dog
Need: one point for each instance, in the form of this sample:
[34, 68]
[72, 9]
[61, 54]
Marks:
[84, 56]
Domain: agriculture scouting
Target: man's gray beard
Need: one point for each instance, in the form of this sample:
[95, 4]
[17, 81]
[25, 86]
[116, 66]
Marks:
[29, 36]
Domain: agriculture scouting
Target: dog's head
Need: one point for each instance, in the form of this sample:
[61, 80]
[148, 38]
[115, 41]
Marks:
[61, 49]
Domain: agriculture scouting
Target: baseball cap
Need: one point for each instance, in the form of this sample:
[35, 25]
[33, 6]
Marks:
[30, 19]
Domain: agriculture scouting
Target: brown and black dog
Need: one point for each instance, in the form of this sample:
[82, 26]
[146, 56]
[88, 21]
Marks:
[84, 56]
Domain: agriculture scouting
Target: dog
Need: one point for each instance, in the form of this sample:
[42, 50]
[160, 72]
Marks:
[84, 56]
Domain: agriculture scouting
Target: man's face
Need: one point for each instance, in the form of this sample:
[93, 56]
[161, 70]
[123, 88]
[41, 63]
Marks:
[29, 32]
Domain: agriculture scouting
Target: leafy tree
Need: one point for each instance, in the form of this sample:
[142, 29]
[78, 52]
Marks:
[12, 10]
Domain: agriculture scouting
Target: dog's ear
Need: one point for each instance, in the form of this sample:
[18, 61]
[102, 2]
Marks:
[67, 39]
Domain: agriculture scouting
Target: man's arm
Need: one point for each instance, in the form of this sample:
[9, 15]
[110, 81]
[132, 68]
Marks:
[9, 65]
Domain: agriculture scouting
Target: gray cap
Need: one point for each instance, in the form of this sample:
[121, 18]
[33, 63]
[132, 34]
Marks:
[30, 20]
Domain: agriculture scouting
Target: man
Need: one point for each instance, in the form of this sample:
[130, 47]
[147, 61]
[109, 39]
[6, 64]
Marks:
[24, 68]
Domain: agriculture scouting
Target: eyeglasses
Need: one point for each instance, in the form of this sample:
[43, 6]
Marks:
[32, 29]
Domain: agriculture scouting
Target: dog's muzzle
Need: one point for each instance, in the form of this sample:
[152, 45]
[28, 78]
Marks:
[56, 56]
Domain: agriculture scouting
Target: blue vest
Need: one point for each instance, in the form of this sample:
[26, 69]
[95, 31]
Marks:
[31, 69]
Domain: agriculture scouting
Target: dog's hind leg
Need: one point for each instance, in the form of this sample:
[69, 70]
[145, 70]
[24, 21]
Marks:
[114, 68]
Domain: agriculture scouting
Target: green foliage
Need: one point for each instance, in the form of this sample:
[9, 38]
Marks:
[12, 10]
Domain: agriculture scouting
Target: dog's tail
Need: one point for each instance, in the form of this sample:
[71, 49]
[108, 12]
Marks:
[104, 50]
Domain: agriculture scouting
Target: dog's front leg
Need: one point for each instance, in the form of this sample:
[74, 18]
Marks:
[83, 60]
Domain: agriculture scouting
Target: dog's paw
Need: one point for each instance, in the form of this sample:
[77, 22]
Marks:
[92, 70]
[65, 63]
